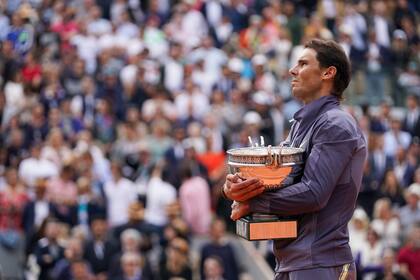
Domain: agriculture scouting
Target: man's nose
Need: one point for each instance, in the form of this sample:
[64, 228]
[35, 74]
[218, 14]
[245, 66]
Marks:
[292, 71]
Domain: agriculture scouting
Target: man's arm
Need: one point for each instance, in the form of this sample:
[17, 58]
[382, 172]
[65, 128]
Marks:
[331, 153]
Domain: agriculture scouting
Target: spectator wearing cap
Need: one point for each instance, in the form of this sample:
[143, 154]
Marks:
[263, 80]
[253, 124]
[400, 57]
[409, 214]
[358, 228]
[272, 121]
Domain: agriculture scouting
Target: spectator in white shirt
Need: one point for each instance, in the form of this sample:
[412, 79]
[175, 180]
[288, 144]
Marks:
[120, 193]
[395, 138]
[35, 167]
[191, 102]
[385, 223]
[159, 195]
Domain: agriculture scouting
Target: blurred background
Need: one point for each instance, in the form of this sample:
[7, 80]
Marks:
[115, 116]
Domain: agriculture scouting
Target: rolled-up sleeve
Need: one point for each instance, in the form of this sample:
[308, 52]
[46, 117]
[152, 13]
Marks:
[332, 150]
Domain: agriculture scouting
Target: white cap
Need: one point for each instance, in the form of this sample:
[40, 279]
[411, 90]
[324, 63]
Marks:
[399, 34]
[263, 98]
[235, 65]
[414, 189]
[360, 214]
[259, 59]
[346, 29]
[252, 117]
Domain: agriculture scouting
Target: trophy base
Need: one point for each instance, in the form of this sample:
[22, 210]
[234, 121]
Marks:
[265, 227]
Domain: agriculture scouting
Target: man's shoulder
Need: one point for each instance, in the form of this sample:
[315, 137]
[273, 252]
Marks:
[338, 121]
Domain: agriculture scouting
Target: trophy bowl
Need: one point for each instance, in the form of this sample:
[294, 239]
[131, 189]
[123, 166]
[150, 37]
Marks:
[276, 166]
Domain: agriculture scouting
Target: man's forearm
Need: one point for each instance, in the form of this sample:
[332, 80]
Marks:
[293, 200]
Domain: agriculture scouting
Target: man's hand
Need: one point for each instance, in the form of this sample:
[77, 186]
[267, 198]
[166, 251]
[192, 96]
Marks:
[239, 209]
[238, 189]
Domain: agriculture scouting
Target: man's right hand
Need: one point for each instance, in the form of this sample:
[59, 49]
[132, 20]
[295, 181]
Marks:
[239, 189]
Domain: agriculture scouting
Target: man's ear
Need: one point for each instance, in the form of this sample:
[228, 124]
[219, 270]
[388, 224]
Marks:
[329, 73]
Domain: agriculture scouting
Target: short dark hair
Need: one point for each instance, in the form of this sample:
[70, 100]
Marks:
[330, 53]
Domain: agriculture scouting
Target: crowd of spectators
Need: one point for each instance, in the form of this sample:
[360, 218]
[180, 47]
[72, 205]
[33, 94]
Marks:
[115, 116]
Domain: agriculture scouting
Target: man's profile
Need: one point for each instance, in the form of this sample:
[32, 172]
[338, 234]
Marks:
[324, 200]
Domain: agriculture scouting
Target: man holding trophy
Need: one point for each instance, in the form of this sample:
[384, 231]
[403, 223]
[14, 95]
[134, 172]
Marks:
[321, 199]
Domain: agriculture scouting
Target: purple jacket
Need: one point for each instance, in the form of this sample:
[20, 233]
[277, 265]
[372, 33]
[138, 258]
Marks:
[324, 200]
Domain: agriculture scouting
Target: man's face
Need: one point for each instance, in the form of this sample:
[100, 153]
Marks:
[306, 82]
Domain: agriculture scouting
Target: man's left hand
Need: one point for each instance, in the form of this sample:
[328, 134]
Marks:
[239, 209]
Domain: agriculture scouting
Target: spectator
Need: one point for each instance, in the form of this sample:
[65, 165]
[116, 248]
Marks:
[177, 258]
[73, 252]
[391, 189]
[48, 251]
[213, 268]
[219, 250]
[34, 167]
[134, 267]
[390, 267]
[120, 192]
[98, 251]
[194, 196]
[411, 121]
[408, 256]
[410, 214]
[160, 194]
[385, 223]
